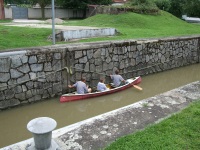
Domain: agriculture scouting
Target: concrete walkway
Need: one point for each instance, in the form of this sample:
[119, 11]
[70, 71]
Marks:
[99, 131]
[42, 24]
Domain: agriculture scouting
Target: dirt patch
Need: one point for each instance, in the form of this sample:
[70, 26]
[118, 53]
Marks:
[56, 21]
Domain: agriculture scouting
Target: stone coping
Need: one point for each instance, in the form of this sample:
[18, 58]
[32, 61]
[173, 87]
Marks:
[97, 132]
[99, 44]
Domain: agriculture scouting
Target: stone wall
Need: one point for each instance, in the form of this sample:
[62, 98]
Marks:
[132, 57]
[29, 75]
[34, 74]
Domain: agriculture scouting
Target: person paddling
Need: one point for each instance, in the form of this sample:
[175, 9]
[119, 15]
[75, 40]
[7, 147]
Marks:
[117, 79]
[101, 86]
[81, 87]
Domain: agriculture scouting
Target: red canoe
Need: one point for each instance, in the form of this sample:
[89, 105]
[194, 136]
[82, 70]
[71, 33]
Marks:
[74, 97]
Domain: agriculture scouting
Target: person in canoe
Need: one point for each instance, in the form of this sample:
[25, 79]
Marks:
[81, 87]
[117, 79]
[101, 85]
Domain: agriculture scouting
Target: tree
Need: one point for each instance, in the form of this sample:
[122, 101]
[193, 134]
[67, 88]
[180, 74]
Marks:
[141, 2]
[176, 7]
[181, 7]
[43, 4]
[101, 2]
[14, 1]
[163, 4]
[82, 4]
[192, 8]
[74, 4]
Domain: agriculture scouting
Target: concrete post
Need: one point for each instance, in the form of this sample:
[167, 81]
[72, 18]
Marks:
[42, 128]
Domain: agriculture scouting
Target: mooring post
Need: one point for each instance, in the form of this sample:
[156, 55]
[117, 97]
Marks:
[42, 128]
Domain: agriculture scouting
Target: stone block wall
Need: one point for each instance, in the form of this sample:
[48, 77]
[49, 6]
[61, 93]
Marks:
[29, 75]
[132, 57]
[34, 74]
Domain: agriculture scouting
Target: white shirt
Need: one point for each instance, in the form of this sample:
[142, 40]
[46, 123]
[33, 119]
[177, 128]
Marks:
[81, 87]
[117, 79]
[101, 87]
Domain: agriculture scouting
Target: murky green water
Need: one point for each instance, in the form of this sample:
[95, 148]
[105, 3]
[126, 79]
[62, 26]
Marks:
[13, 122]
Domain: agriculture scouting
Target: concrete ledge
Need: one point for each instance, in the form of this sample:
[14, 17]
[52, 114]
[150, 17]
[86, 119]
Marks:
[6, 54]
[87, 33]
[99, 131]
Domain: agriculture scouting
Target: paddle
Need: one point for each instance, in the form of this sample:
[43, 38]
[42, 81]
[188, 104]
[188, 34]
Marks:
[137, 87]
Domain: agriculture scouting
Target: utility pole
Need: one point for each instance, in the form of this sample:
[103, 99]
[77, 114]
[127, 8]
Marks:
[53, 23]
[2, 13]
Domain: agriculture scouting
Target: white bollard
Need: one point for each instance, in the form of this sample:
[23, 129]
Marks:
[42, 128]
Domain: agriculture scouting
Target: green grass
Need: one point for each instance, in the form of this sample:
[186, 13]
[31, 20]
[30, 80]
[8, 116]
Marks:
[130, 26]
[5, 21]
[16, 37]
[179, 132]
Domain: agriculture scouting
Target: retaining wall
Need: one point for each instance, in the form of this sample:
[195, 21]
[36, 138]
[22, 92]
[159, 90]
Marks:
[87, 33]
[34, 74]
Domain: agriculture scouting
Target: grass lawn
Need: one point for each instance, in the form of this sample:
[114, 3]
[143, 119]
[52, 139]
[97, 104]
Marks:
[20, 37]
[132, 25]
[129, 26]
[179, 132]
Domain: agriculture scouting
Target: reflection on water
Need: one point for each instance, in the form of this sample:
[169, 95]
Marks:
[14, 121]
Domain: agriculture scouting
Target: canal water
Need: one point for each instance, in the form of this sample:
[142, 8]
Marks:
[13, 121]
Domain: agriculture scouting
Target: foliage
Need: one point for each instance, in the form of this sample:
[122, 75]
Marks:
[15, 1]
[146, 9]
[181, 7]
[163, 4]
[73, 4]
[82, 4]
[144, 6]
[192, 7]
[141, 2]
[100, 2]
[42, 3]
[128, 8]
[176, 7]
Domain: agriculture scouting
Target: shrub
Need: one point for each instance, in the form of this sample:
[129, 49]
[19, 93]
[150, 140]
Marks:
[144, 6]
[163, 4]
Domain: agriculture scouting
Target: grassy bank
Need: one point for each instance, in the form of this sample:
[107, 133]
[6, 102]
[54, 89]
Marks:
[129, 26]
[17, 37]
[132, 25]
[179, 132]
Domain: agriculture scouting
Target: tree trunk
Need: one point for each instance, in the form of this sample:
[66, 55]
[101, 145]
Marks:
[2, 13]
[84, 12]
[43, 11]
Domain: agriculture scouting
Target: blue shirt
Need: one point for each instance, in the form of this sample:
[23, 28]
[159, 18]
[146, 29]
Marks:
[117, 79]
[81, 87]
[101, 87]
